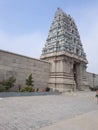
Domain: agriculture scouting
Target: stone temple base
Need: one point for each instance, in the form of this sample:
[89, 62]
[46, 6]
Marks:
[66, 73]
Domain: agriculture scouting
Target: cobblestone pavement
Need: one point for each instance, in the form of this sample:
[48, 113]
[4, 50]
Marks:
[31, 113]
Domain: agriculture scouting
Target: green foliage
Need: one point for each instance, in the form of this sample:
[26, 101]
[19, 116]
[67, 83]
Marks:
[37, 89]
[29, 81]
[93, 88]
[2, 88]
[69, 90]
[28, 89]
[8, 83]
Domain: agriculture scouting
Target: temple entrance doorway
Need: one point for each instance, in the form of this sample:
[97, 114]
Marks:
[75, 73]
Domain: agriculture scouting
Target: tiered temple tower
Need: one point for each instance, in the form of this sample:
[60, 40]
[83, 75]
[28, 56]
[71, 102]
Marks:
[64, 50]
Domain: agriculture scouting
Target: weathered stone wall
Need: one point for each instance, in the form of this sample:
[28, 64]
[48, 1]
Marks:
[92, 79]
[21, 67]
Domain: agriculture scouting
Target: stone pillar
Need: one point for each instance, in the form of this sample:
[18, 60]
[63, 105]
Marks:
[84, 82]
[79, 76]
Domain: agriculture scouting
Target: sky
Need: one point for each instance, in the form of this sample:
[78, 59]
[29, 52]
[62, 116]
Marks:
[24, 25]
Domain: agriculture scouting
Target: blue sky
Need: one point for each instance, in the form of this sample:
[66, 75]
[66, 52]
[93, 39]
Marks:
[24, 25]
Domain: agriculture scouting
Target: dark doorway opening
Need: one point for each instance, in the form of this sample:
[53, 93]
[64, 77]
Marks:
[75, 73]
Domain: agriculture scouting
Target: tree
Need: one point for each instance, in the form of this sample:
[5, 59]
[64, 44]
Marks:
[9, 82]
[29, 81]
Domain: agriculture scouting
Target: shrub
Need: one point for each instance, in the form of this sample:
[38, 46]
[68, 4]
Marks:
[47, 89]
[7, 84]
[2, 88]
[29, 81]
[27, 89]
[69, 90]
[93, 88]
[37, 89]
[29, 85]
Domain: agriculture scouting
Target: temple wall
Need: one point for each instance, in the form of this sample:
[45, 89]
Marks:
[21, 67]
[92, 79]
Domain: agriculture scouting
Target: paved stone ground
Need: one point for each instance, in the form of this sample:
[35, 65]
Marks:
[87, 121]
[31, 113]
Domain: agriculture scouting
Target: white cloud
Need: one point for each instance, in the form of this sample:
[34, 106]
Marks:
[27, 44]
